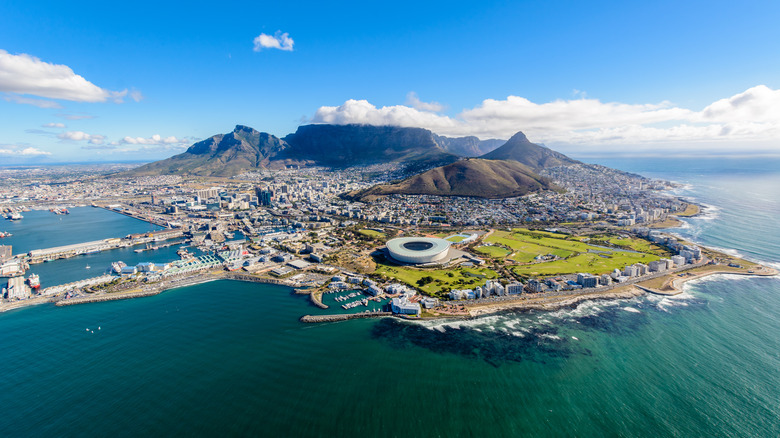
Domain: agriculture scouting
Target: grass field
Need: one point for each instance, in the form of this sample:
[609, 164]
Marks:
[457, 278]
[575, 255]
[594, 263]
[495, 252]
[373, 234]
[640, 245]
[529, 245]
[690, 210]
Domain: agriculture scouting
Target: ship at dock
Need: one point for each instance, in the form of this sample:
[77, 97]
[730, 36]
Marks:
[14, 216]
[34, 281]
[116, 267]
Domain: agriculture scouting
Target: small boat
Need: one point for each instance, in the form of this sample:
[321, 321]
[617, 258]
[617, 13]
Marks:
[87, 267]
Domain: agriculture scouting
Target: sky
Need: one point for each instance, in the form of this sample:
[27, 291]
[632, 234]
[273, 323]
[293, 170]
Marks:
[140, 81]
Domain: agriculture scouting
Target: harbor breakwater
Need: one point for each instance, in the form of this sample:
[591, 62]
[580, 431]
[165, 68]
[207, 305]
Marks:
[159, 287]
[341, 317]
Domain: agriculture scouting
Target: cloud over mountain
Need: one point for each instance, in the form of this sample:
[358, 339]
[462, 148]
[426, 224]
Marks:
[753, 115]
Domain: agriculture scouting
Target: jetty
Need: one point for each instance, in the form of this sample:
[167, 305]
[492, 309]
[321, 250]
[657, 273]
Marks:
[343, 317]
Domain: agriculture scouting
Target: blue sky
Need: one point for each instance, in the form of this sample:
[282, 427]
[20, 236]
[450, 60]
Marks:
[140, 81]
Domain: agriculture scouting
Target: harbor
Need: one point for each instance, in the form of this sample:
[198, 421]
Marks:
[57, 248]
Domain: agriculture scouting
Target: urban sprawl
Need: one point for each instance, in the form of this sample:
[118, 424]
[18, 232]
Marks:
[295, 226]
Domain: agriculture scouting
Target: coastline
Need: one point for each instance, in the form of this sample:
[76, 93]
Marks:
[553, 303]
[669, 285]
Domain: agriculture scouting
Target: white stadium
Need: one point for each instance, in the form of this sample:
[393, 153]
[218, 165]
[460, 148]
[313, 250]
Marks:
[418, 250]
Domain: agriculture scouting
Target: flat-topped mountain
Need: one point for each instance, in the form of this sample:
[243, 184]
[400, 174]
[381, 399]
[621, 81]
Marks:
[360, 145]
[537, 157]
[470, 177]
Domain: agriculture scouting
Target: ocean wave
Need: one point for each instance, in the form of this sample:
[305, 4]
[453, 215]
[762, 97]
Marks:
[632, 310]
[715, 278]
[775, 265]
[666, 304]
[549, 336]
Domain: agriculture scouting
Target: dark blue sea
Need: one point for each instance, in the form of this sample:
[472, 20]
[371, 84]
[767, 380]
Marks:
[231, 359]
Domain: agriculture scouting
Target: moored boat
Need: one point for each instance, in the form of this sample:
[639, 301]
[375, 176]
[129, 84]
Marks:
[34, 281]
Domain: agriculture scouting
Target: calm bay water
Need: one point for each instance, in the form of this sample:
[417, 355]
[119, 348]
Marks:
[228, 358]
[42, 229]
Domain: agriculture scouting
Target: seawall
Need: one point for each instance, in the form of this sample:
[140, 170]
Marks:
[339, 317]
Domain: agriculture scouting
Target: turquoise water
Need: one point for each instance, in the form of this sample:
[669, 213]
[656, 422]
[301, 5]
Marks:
[228, 358]
[42, 229]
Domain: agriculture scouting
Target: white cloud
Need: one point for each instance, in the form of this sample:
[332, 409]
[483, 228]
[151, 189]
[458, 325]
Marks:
[75, 116]
[25, 74]
[40, 103]
[752, 116]
[156, 140]
[133, 144]
[136, 95]
[24, 152]
[54, 125]
[279, 40]
[415, 102]
[82, 136]
[363, 112]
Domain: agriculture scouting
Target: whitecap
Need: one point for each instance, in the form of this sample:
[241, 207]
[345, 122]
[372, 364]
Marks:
[632, 310]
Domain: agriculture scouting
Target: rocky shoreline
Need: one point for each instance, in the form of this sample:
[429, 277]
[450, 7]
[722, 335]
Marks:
[553, 303]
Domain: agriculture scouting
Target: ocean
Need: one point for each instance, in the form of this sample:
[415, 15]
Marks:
[229, 358]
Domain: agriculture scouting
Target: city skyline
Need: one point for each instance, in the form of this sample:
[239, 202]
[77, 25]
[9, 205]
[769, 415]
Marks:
[86, 83]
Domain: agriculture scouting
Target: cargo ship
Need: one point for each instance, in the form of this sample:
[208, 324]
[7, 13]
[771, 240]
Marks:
[34, 281]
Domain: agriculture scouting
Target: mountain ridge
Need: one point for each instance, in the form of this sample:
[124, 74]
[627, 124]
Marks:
[415, 150]
[471, 177]
[520, 149]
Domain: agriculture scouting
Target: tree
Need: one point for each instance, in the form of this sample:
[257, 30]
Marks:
[425, 280]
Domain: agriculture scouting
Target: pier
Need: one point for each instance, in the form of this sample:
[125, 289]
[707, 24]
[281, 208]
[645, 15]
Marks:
[135, 215]
[342, 317]
[67, 251]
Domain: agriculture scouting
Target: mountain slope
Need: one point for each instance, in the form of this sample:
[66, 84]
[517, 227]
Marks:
[537, 157]
[471, 177]
[467, 146]
[222, 155]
